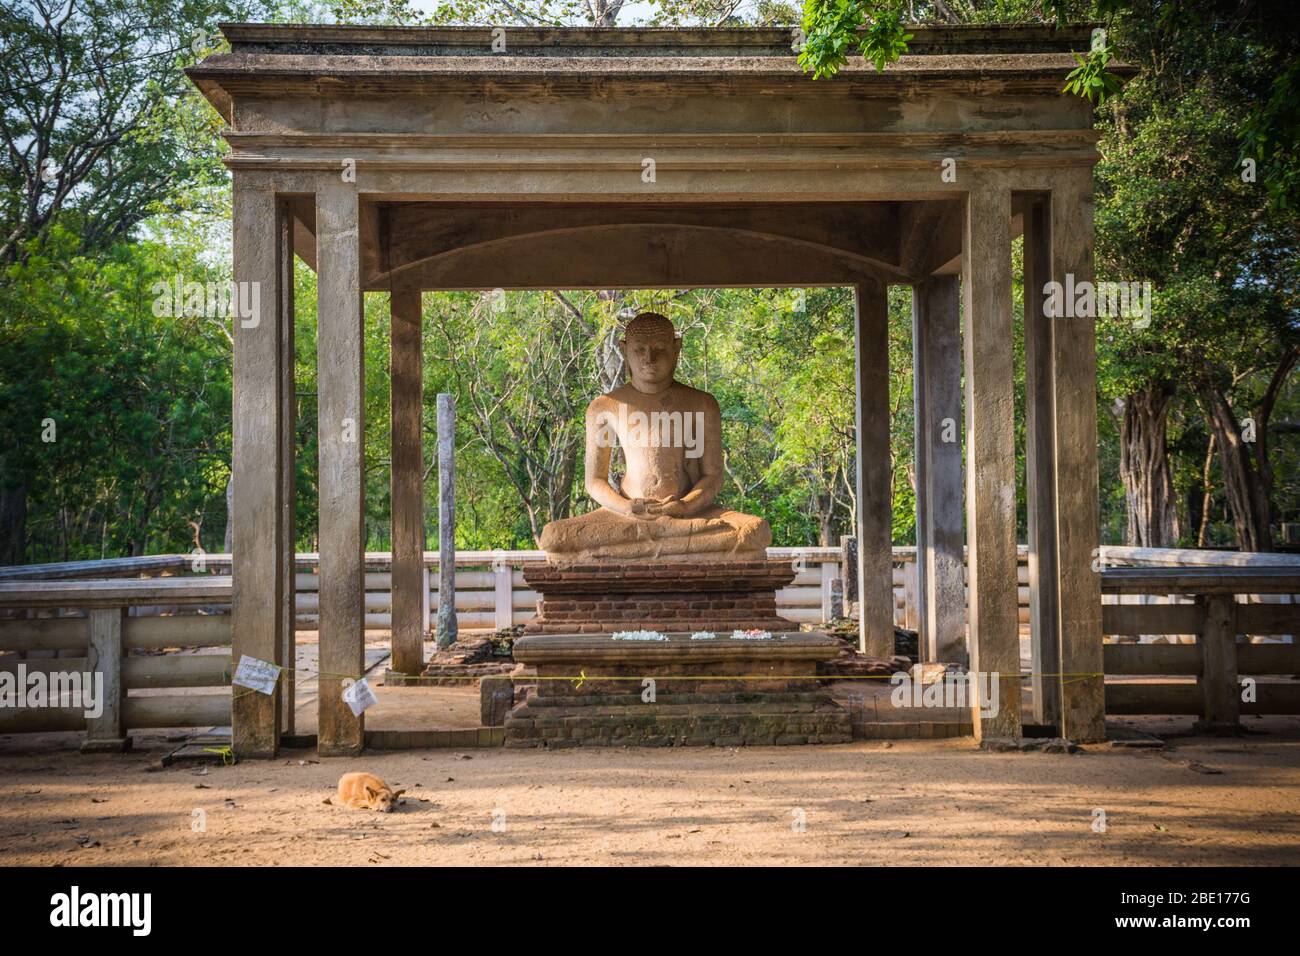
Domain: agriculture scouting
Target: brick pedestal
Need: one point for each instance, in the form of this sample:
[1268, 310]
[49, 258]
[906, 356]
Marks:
[595, 598]
[593, 690]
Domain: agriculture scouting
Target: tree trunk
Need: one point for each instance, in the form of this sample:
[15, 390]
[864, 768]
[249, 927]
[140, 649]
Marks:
[13, 524]
[1207, 496]
[1144, 466]
[826, 526]
[1245, 487]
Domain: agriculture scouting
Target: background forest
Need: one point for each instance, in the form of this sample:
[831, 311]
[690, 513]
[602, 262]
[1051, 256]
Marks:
[115, 420]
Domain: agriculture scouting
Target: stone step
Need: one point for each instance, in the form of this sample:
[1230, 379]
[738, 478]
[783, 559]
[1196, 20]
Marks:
[748, 700]
[910, 730]
[660, 725]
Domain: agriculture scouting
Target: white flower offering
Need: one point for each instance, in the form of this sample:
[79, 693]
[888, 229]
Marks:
[703, 636]
[753, 634]
[638, 636]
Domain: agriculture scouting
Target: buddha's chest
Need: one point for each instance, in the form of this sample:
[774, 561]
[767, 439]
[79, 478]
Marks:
[665, 434]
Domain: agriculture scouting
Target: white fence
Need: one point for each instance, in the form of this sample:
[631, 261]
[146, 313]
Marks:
[491, 592]
[94, 629]
[106, 616]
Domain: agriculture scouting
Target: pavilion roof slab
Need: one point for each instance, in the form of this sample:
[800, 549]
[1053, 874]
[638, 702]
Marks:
[349, 61]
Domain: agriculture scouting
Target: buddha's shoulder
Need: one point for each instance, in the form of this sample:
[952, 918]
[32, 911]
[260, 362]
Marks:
[610, 399]
[693, 397]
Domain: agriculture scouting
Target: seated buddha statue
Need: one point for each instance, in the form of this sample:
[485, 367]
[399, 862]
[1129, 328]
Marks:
[671, 436]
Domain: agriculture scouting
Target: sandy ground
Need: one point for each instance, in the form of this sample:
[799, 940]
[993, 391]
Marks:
[1199, 801]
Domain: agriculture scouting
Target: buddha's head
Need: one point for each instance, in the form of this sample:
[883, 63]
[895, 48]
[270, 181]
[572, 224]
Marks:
[650, 350]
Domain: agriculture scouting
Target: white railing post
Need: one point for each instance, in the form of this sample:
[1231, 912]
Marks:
[911, 582]
[503, 580]
[828, 589]
[426, 605]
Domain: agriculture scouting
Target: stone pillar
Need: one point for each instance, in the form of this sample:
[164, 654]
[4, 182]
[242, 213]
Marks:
[936, 352]
[875, 506]
[1074, 394]
[1040, 466]
[288, 458]
[991, 456]
[446, 626]
[341, 403]
[849, 572]
[407, 482]
[262, 586]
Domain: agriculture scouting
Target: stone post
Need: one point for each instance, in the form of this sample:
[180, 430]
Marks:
[1040, 467]
[407, 482]
[446, 627]
[875, 505]
[991, 457]
[1074, 405]
[262, 600]
[936, 351]
[340, 357]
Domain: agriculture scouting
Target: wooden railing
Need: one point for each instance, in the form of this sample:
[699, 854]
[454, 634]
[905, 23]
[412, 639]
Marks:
[1210, 606]
[100, 639]
[56, 623]
[491, 592]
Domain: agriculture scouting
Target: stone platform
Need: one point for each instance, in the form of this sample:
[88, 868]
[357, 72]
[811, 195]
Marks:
[719, 692]
[660, 596]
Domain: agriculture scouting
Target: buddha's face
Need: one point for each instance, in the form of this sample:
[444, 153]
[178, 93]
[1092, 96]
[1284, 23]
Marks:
[651, 359]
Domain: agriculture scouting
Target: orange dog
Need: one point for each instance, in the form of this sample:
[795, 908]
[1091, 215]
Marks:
[365, 791]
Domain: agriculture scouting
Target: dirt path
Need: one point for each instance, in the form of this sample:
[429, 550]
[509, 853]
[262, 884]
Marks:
[910, 803]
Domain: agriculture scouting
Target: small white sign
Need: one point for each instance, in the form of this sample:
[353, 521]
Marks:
[359, 696]
[257, 675]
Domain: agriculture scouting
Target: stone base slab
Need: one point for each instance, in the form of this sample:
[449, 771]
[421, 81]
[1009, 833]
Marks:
[592, 691]
[910, 730]
[711, 720]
